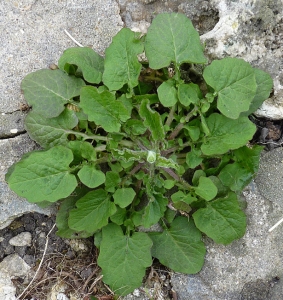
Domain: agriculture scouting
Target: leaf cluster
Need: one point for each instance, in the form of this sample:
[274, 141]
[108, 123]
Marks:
[130, 144]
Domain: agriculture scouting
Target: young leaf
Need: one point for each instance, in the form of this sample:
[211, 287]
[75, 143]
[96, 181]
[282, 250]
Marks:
[119, 216]
[180, 247]
[180, 196]
[89, 62]
[193, 158]
[189, 94]
[167, 93]
[222, 220]
[81, 151]
[206, 189]
[108, 112]
[124, 196]
[92, 212]
[172, 38]
[90, 176]
[123, 258]
[49, 132]
[152, 121]
[234, 81]
[43, 175]
[121, 61]
[112, 181]
[264, 85]
[154, 210]
[48, 91]
[226, 134]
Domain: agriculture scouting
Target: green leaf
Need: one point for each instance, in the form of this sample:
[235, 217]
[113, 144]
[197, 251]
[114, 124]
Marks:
[119, 216]
[239, 174]
[235, 176]
[194, 132]
[49, 132]
[152, 121]
[124, 196]
[234, 81]
[112, 181]
[44, 175]
[189, 94]
[180, 196]
[180, 247]
[121, 61]
[92, 212]
[62, 216]
[48, 91]
[87, 60]
[222, 220]
[154, 210]
[167, 93]
[81, 151]
[264, 85]
[108, 112]
[123, 259]
[206, 189]
[193, 158]
[135, 127]
[172, 38]
[90, 176]
[226, 134]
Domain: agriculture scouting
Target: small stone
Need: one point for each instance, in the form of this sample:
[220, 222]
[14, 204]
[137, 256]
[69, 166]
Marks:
[14, 130]
[22, 239]
[15, 266]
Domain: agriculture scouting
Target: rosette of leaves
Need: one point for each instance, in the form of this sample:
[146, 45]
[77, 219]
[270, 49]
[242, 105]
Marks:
[129, 144]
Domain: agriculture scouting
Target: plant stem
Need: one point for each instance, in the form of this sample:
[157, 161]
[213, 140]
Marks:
[170, 116]
[152, 78]
[180, 126]
[89, 137]
[177, 177]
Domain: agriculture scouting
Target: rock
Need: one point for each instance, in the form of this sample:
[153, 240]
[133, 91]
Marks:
[33, 37]
[7, 289]
[15, 266]
[22, 239]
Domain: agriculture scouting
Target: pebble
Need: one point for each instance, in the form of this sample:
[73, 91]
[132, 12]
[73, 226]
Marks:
[22, 239]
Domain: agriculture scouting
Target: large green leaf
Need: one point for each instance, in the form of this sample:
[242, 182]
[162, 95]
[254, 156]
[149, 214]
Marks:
[167, 93]
[222, 220]
[264, 85]
[152, 121]
[48, 91]
[103, 108]
[123, 258]
[49, 132]
[206, 188]
[87, 60]
[226, 134]
[121, 61]
[92, 212]
[43, 175]
[180, 247]
[172, 38]
[234, 81]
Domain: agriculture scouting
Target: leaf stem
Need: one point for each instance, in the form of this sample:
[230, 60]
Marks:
[170, 116]
[177, 178]
[180, 126]
[89, 137]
